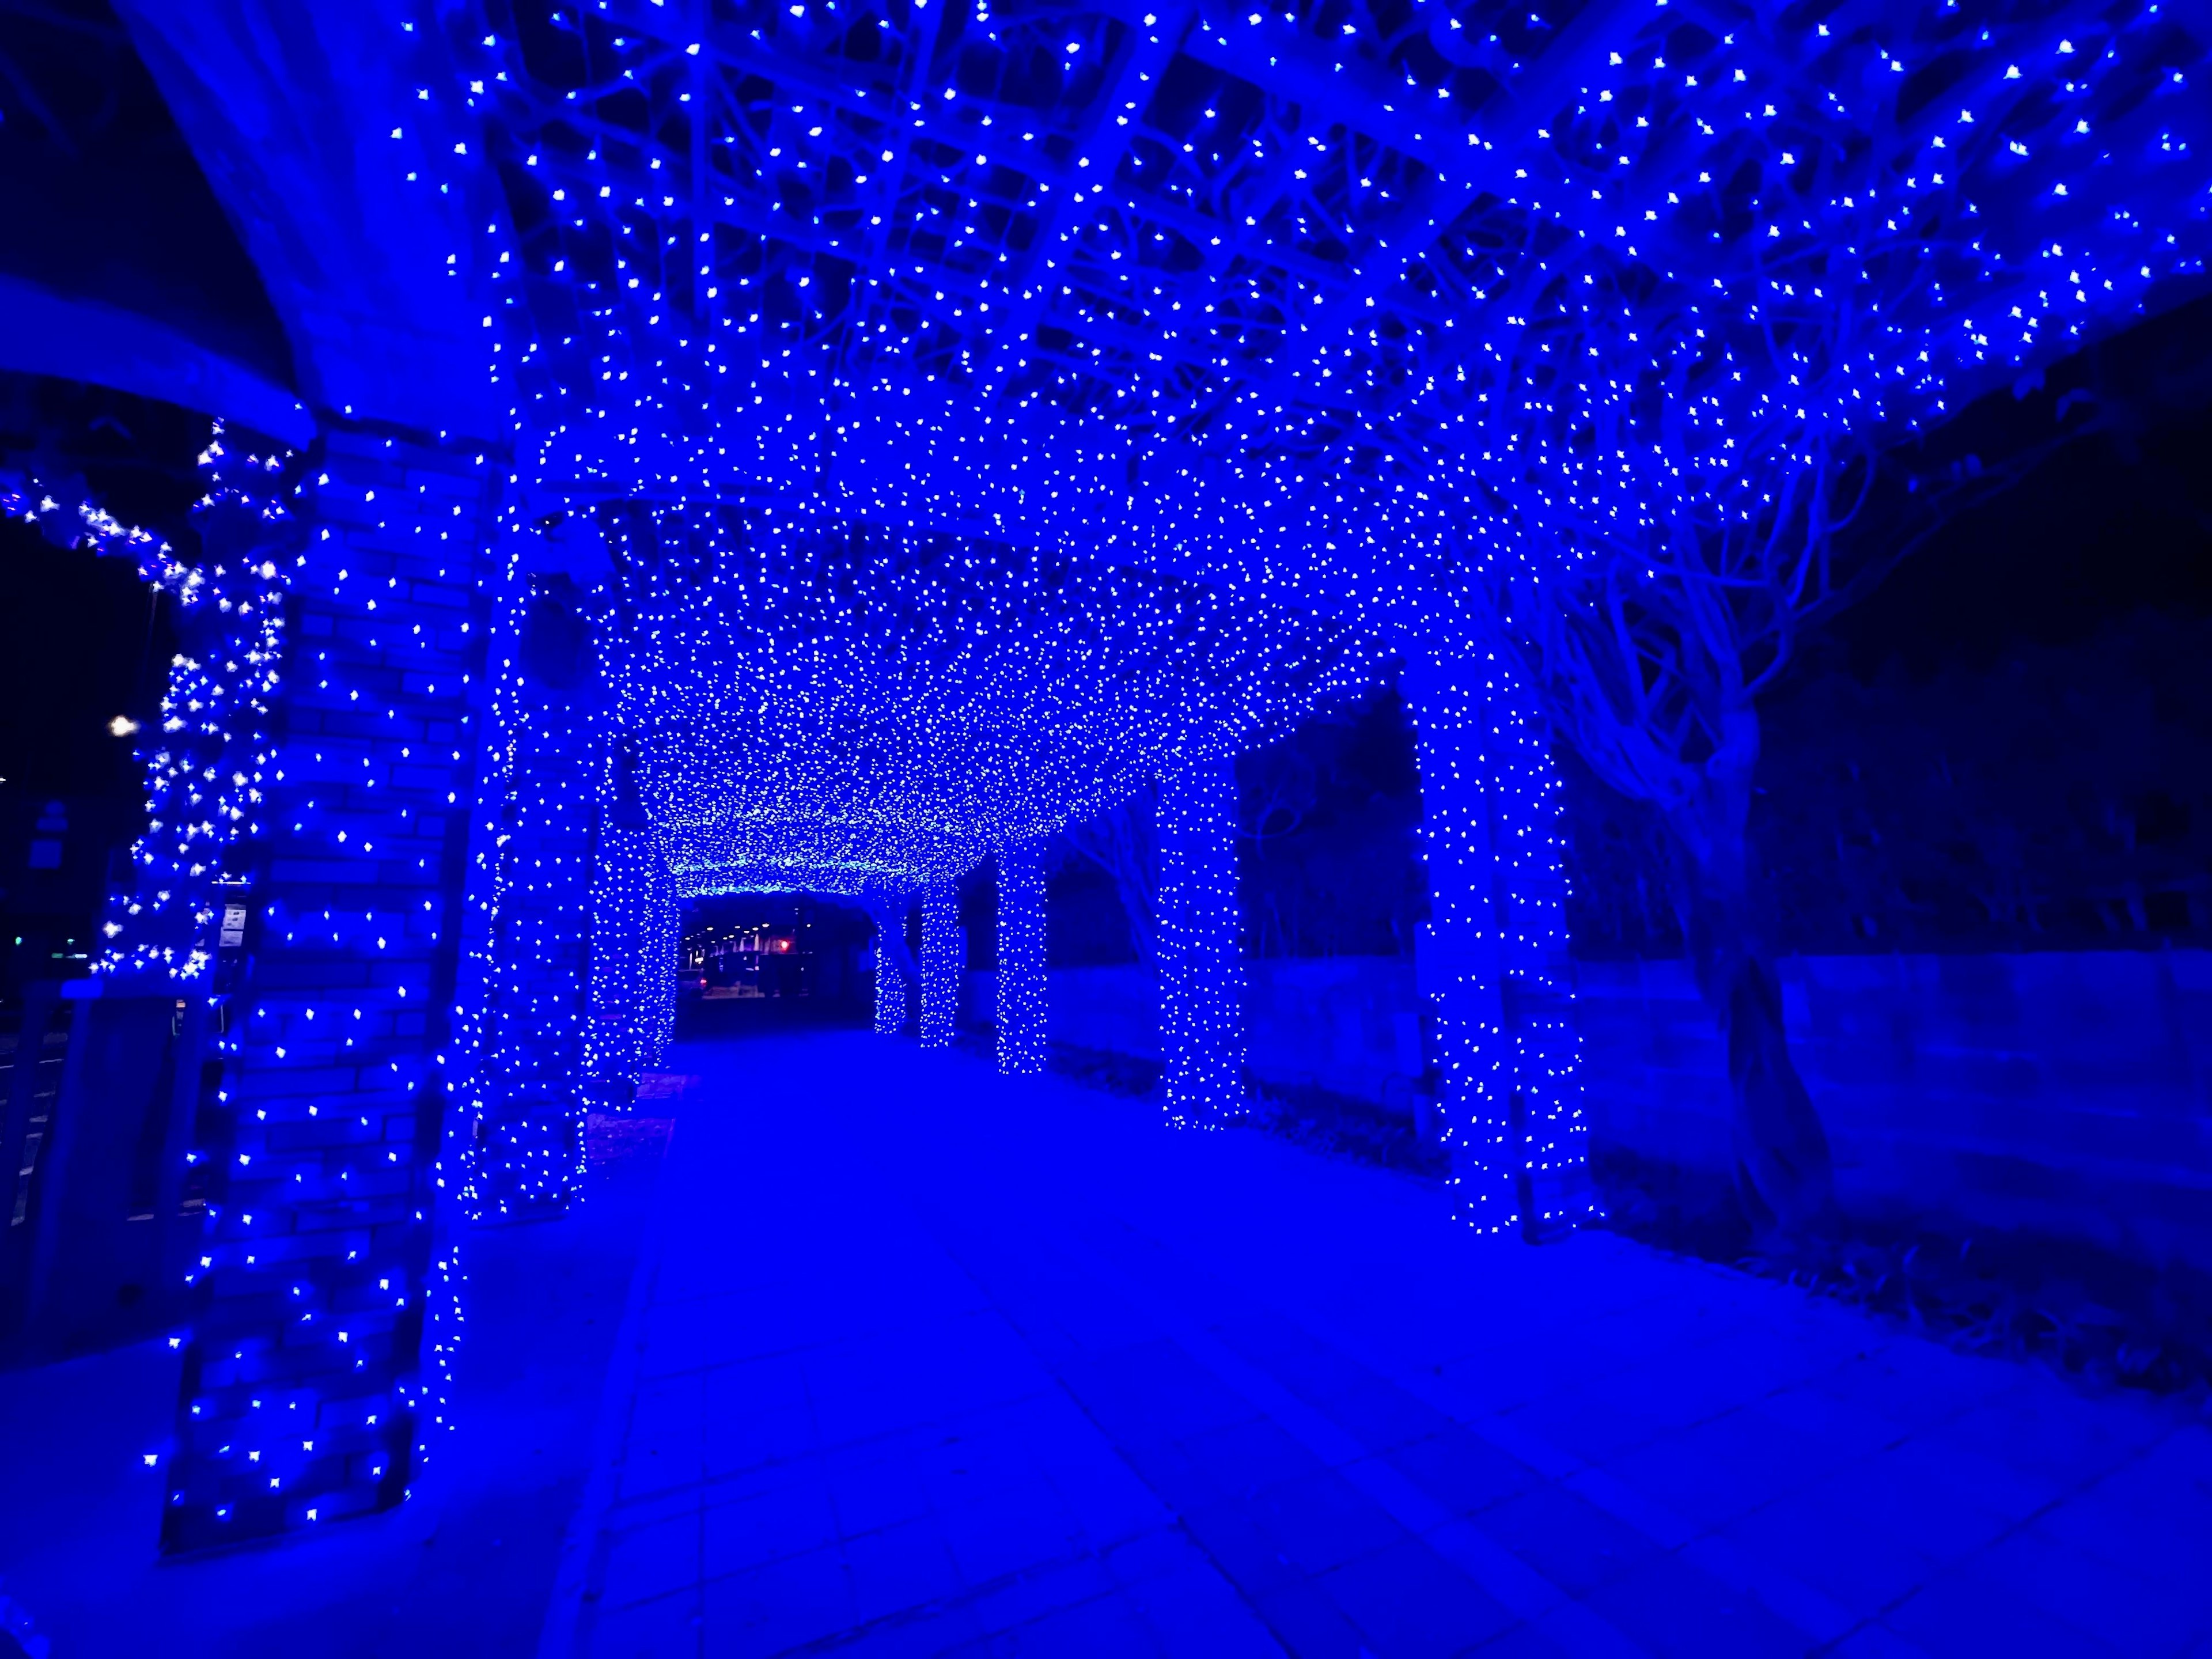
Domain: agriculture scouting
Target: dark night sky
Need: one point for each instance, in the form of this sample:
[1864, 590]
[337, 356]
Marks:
[2117, 521]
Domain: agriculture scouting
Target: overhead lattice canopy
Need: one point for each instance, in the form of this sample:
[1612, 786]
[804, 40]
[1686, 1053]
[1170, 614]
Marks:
[1332, 304]
[838, 709]
[1275, 228]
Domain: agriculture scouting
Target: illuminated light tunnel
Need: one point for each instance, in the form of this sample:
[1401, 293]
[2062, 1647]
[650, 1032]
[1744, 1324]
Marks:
[719, 449]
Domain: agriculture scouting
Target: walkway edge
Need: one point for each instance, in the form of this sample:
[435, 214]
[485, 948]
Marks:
[564, 1607]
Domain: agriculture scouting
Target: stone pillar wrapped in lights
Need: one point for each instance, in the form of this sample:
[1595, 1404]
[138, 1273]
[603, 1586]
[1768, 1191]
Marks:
[660, 942]
[1492, 962]
[895, 971]
[1202, 960]
[623, 893]
[312, 1368]
[1021, 991]
[526, 1154]
[943, 953]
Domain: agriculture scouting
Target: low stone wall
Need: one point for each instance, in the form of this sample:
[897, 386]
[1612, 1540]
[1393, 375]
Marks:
[2068, 1094]
[1348, 1024]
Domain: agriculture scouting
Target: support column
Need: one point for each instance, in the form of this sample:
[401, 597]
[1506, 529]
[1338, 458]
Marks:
[614, 1038]
[1202, 965]
[943, 953]
[1493, 964]
[895, 969]
[527, 1144]
[1021, 988]
[662, 941]
[304, 1391]
[634, 912]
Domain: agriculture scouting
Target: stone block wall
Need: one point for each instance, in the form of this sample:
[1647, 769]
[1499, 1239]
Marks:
[1348, 1024]
[2069, 1094]
[2066, 1093]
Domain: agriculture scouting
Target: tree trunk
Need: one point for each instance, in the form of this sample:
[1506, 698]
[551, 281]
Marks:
[1785, 1174]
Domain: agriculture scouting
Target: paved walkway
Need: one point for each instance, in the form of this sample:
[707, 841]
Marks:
[935, 1363]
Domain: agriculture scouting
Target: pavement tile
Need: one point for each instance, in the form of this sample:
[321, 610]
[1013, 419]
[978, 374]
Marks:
[1023, 1598]
[1194, 1611]
[1861, 1568]
[2134, 1611]
[1957, 1615]
[1918, 1384]
[1410, 1603]
[1672, 1607]
[1308, 1625]
[1461, 1470]
[875, 1486]
[1108, 1627]
[1565, 1538]
[1235, 1461]
[1382, 1416]
[1243, 1550]
[2000, 1486]
[735, 1441]
[1907, 1502]
[1309, 1367]
[898, 1570]
[650, 1560]
[1724, 1468]
[668, 1628]
[1321, 1521]
[801, 1599]
[893, 1414]
[997, 1537]
[1593, 1422]
[1529, 1641]
[1845, 1428]
[1153, 1391]
[778, 1383]
[753, 1530]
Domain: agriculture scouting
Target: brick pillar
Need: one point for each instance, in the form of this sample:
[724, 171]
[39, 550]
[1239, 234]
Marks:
[1202, 958]
[1492, 962]
[1021, 970]
[304, 1388]
[943, 951]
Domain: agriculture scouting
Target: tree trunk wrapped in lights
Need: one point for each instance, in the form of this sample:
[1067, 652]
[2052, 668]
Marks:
[944, 951]
[1021, 980]
[1494, 962]
[1202, 960]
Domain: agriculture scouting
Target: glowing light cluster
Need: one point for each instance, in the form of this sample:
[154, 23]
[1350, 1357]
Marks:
[895, 969]
[525, 1152]
[1493, 956]
[319, 1197]
[1021, 985]
[943, 963]
[836, 708]
[976, 419]
[205, 763]
[633, 918]
[206, 769]
[1201, 926]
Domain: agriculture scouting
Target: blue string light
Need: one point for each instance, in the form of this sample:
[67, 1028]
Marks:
[929, 538]
[1022, 987]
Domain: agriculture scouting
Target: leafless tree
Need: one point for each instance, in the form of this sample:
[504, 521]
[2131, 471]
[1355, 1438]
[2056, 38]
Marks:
[1122, 843]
